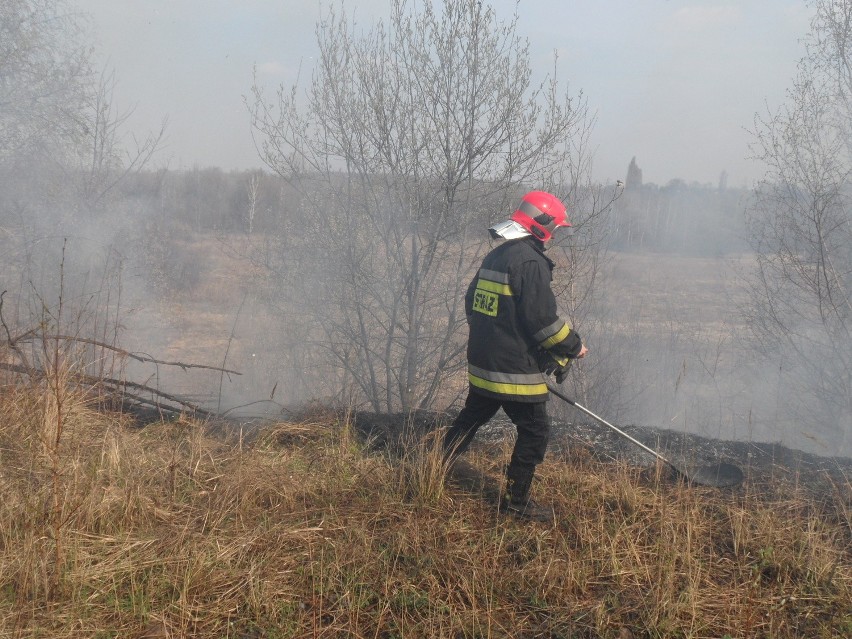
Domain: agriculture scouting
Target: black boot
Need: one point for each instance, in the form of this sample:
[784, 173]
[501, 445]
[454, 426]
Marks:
[516, 498]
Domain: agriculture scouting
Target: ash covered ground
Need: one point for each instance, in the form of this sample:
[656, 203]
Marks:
[761, 463]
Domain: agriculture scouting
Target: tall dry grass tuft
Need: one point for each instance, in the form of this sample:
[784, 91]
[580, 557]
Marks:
[299, 530]
[421, 469]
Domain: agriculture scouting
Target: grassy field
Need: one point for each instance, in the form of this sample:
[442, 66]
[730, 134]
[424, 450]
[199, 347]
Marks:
[111, 530]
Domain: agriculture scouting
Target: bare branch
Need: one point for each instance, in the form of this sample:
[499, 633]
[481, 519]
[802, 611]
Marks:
[31, 335]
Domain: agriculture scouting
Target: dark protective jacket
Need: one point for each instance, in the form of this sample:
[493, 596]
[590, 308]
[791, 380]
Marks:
[514, 325]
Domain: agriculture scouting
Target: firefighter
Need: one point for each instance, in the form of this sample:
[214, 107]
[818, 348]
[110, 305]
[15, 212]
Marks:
[516, 338]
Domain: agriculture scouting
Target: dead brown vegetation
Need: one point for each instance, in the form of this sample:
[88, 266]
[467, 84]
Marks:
[108, 530]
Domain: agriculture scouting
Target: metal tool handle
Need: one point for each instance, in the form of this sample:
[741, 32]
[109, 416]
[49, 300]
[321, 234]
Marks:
[606, 423]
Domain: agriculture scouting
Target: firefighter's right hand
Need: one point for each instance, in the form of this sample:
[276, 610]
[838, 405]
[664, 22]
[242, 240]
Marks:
[583, 352]
[550, 365]
[559, 371]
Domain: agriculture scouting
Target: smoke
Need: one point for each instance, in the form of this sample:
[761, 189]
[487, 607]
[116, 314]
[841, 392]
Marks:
[686, 360]
[670, 347]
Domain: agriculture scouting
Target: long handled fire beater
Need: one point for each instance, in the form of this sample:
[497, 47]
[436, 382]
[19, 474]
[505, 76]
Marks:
[720, 475]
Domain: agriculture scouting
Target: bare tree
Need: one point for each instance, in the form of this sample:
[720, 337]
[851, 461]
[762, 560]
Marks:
[412, 137]
[62, 151]
[59, 130]
[252, 190]
[44, 74]
[801, 229]
[103, 158]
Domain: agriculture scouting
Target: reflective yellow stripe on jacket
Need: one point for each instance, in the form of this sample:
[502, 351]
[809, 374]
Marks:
[525, 384]
[550, 336]
[494, 281]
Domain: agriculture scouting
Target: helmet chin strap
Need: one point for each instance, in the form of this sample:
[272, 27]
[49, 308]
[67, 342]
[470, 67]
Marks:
[539, 233]
[539, 227]
[543, 228]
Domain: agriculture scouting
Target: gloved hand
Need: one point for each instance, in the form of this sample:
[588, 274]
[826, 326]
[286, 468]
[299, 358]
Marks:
[559, 371]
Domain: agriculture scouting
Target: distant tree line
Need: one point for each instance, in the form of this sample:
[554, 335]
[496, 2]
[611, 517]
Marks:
[690, 219]
[681, 218]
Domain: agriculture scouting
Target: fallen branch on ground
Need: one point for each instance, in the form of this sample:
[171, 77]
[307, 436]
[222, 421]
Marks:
[30, 336]
[122, 388]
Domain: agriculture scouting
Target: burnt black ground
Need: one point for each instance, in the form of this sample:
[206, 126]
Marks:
[761, 463]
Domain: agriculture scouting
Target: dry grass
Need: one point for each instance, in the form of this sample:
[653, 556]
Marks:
[168, 531]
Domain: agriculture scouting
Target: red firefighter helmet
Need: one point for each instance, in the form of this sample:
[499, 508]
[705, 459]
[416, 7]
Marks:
[538, 215]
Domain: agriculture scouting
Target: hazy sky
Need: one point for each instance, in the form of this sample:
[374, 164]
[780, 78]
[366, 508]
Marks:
[674, 83]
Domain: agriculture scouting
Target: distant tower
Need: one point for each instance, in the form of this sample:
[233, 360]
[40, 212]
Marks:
[634, 175]
[723, 181]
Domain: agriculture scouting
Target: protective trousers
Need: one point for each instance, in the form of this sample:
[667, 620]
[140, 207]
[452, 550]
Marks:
[530, 419]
